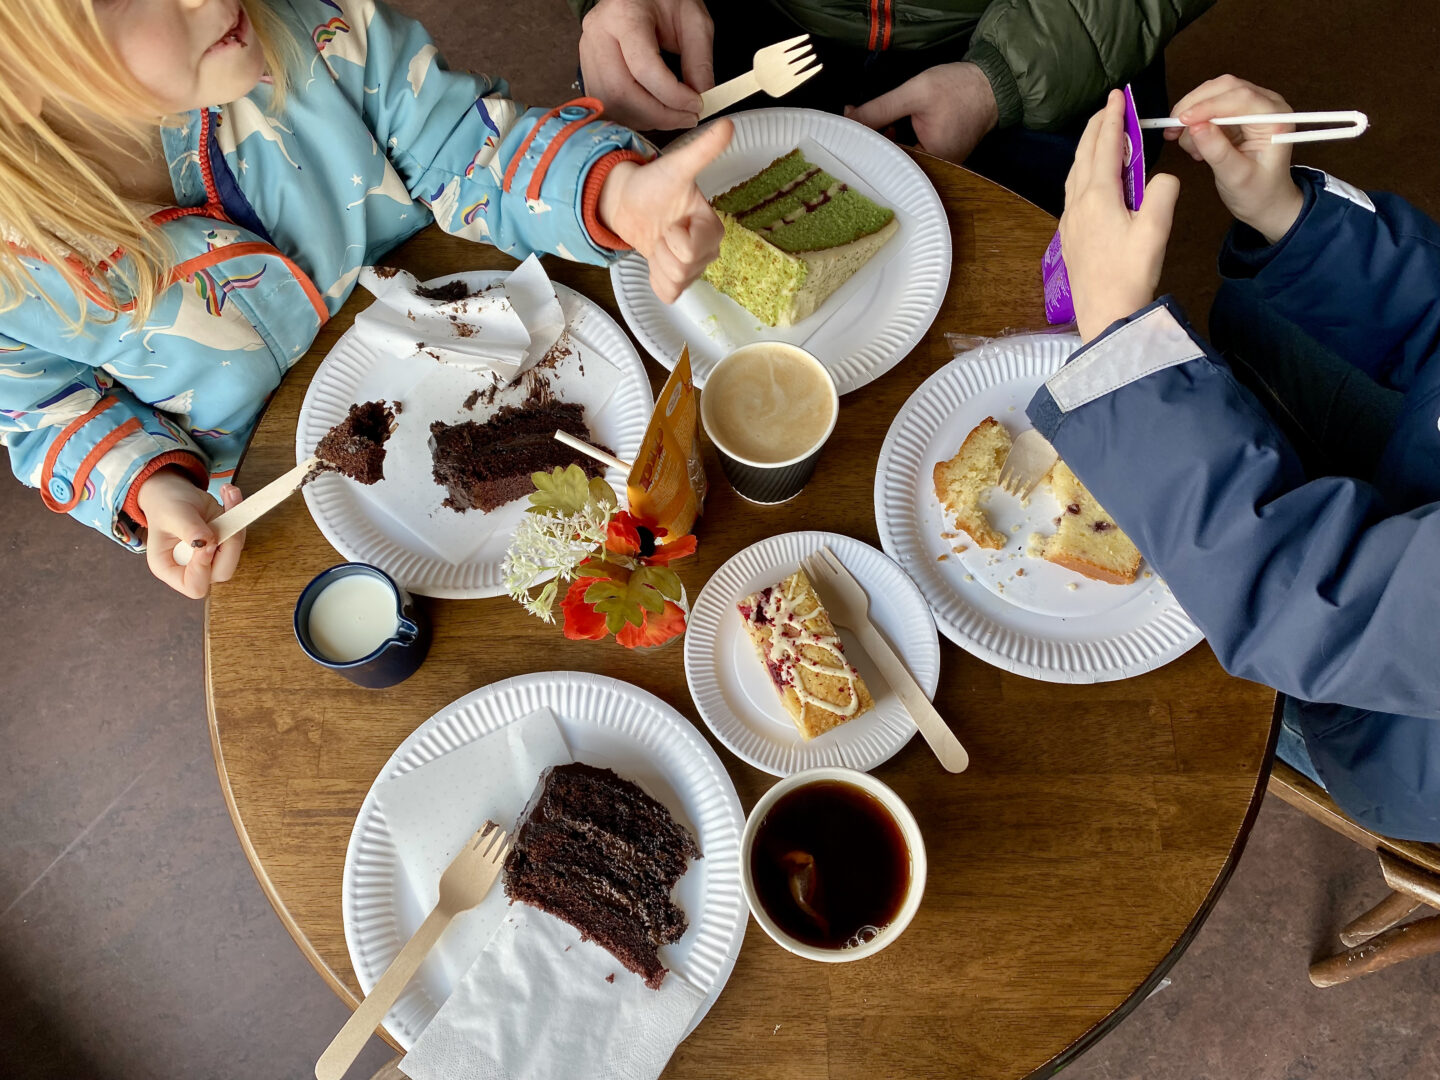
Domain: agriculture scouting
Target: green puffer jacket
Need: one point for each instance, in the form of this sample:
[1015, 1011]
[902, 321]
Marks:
[1048, 61]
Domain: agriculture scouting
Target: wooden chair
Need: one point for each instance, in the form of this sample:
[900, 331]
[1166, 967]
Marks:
[1412, 870]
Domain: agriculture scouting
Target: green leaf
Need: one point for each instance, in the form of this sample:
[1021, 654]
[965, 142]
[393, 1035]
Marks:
[624, 602]
[664, 579]
[569, 491]
[601, 493]
[564, 491]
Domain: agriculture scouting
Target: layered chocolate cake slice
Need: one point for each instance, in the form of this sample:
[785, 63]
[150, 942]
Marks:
[356, 445]
[486, 465]
[594, 850]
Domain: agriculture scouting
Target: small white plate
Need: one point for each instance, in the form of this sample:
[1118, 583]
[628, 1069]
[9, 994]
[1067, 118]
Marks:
[605, 722]
[734, 693]
[1021, 614]
[872, 321]
[399, 523]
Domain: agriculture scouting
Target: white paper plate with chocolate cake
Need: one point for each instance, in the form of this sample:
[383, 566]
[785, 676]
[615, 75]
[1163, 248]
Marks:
[835, 240]
[456, 468]
[592, 756]
[778, 684]
[1001, 576]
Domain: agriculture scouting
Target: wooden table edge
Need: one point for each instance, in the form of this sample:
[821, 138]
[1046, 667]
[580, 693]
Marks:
[267, 887]
[1109, 1022]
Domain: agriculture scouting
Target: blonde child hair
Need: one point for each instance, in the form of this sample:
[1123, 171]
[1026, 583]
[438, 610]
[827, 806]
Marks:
[59, 205]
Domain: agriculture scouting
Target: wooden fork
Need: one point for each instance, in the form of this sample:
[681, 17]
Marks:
[849, 606]
[463, 885]
[777, 70]
[1030, 458]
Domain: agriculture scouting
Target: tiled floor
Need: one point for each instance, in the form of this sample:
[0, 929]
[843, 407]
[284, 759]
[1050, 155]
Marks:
[135, 943]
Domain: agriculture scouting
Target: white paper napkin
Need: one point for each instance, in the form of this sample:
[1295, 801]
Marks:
[538, 1005]
[432, 810]
[503, 331]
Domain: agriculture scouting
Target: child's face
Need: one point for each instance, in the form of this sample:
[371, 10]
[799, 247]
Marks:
[187, 53]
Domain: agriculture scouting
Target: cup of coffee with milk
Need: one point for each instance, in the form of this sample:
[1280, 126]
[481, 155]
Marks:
[768, 408]
[354, 620]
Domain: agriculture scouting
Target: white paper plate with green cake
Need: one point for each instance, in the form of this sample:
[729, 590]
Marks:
[842, 248]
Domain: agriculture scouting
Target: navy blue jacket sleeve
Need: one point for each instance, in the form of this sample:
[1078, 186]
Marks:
[1359, 272]
[1305, 586]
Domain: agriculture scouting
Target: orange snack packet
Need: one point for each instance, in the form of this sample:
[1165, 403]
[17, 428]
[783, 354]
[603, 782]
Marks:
[667, 482]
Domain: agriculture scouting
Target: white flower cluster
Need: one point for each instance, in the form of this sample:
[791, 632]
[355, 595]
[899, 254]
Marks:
[556, 544]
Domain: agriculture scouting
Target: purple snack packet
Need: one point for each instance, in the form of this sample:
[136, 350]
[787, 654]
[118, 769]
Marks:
[1059, 305]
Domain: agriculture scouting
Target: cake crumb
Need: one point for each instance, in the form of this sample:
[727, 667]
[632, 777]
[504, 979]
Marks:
[1149, 574]
[610, 978]
[1072, 586]
[958, 548]
[942, 556]
[471, 400]
[1014, 528]
[969, 577]
[1020, 571]
[1010, 409]
[948, 535]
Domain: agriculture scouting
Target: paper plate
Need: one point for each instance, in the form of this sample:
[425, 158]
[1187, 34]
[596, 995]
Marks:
[399, 523]
[1021, 614]
[872, 321]
[605, 722]
[733, 691]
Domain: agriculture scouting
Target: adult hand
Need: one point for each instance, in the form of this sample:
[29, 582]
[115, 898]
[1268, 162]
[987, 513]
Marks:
[620, 62]
[1113, 255]
[951, 106]
[1255, 184]
[657, 209]
[176, 510]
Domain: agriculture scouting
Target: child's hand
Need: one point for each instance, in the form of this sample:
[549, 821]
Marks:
[1254, 184]
[1113, 256]
[657, 209]
[176, 511]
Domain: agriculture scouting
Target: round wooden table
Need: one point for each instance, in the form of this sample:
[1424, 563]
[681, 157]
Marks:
[1069, 867]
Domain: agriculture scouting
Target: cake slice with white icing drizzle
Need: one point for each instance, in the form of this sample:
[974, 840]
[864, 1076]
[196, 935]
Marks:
[806, 661]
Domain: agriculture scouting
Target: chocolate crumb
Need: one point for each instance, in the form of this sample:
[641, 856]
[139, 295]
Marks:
[448, 293]
[471, 400]
[610, 978]
[397, 408]
[386, 272]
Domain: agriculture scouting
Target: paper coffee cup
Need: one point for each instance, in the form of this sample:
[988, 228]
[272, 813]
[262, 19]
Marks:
[768, 408]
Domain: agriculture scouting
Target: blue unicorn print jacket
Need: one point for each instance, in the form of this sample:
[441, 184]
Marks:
[275, 215]
[1324, 587]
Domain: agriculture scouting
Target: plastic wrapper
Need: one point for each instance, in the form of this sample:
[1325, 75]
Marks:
[1059, 304]
[667, 482]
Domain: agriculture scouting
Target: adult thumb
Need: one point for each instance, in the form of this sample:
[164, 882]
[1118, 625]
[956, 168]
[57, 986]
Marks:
[700, 151]
[1158, 209]
[881, 112]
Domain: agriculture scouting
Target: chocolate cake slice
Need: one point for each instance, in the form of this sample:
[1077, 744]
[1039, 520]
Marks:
[356, 445]
[594, 850]
[486, 465]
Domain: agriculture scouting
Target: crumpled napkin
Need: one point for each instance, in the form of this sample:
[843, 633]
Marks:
[503, 331]
[538, 1005]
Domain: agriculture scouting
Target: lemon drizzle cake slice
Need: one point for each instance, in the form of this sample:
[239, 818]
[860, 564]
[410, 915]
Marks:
[793, 235]
[796, 640]
[1086, 538]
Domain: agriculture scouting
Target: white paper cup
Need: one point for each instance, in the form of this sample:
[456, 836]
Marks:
[770, 482]
[909, 829]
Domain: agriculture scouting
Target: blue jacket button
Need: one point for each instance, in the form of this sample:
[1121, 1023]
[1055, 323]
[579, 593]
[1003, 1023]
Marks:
[60, 490]
[574, 112]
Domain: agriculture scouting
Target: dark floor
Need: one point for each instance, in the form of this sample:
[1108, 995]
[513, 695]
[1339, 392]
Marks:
[135, 943]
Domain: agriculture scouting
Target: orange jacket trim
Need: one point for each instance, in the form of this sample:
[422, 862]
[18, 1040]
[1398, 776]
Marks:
[590, 199]
[193, 466]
